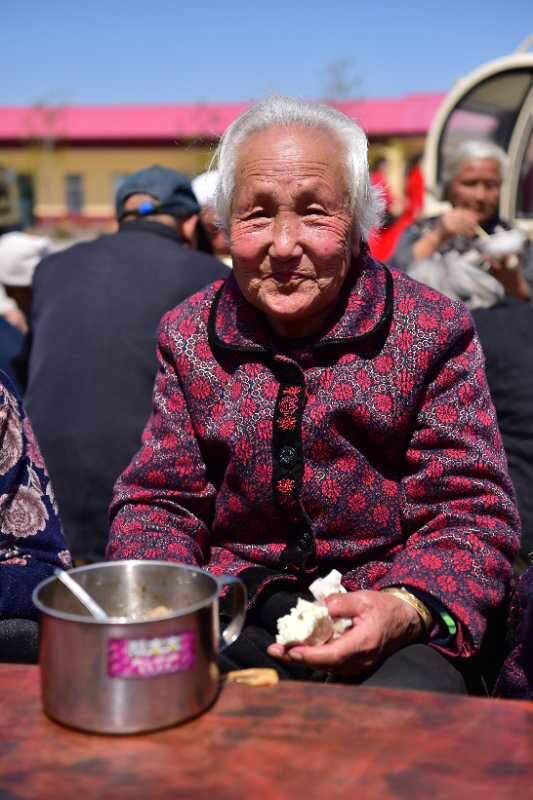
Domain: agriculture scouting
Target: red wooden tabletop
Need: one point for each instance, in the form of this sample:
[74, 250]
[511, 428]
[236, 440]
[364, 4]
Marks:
[295, 740]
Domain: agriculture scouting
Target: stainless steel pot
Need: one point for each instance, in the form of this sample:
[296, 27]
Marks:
[133, 674]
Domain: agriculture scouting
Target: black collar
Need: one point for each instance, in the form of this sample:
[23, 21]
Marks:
[149, 226]
[364, 311]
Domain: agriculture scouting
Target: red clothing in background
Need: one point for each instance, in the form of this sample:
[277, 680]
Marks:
[379, 179]
[414, 195]
[383, 242]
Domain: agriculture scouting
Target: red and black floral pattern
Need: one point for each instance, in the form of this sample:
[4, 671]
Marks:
[398, 474]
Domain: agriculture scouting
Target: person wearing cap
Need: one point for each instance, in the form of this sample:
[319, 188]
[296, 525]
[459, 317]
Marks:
[94, 322]
[205, 188]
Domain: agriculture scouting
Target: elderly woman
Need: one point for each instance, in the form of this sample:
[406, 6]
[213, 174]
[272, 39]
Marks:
[452, 253]
[465, 252]
[316, 411]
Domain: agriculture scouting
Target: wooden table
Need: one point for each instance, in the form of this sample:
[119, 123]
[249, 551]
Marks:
[293, 741]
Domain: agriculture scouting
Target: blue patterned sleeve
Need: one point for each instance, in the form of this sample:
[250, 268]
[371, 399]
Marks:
[31, 541]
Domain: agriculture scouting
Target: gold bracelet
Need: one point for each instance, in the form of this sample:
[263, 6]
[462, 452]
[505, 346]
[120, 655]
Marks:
[403, 594]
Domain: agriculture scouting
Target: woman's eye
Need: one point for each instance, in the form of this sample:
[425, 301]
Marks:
[257, 213]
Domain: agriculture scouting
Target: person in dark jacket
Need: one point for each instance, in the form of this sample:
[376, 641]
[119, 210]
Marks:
[469, 252]
[95, 316]
[516, 677]
[506, 335]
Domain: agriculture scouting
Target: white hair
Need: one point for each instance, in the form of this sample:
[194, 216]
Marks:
[472, 150]
[366, 203]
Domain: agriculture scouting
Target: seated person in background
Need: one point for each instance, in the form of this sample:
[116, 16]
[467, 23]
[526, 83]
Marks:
[96, 310]
[516, 678]
[31, 541]
[12, 324]
[458, 252]
[19, 255]
[11, 313]
[20, 252]
[447, 253]
[316, 411]
[506, 334]
[204, 187]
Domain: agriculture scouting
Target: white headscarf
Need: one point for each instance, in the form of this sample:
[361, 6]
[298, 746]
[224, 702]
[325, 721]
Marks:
[19, 255]
[204, 187]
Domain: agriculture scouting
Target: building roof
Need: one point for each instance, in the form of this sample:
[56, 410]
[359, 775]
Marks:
[401, 116]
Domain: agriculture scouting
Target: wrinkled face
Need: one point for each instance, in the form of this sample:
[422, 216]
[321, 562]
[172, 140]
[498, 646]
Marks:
[477, 187]
[291, 226]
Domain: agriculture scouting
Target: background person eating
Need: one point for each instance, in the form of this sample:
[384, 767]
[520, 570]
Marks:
[316, 411]
[449, 253]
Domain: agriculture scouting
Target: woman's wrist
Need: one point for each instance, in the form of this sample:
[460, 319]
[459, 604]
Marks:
[414, 602]
[429, 243]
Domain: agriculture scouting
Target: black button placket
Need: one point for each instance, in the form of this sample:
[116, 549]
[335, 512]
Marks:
[288, 465]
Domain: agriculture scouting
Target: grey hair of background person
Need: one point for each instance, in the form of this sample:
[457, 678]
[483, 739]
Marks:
[472, 150]
[366, 203]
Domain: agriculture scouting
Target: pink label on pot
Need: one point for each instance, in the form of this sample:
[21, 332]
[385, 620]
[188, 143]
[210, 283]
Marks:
[145, 658]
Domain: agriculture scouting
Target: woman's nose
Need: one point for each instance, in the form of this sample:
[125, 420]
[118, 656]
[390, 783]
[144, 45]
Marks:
[480, 192]
[285, 242]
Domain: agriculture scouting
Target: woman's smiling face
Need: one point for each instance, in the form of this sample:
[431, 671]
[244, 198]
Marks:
[476, 187]
[291, 226]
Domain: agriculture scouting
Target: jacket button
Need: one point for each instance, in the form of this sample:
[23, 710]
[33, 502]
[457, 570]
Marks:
[288, 455]
[306, 541]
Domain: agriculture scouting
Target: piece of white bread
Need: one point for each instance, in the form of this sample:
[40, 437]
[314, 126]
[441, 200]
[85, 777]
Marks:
[308, 623]
[324, 587]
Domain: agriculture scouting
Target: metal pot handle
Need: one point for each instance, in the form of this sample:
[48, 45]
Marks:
[239, 600]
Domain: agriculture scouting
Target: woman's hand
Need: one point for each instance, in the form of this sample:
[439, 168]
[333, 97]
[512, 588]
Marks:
[508, 272]
[382, 624]
[456, 222]
[16, 318]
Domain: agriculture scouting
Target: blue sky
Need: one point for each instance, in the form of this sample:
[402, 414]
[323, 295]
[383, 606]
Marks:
[161, 51]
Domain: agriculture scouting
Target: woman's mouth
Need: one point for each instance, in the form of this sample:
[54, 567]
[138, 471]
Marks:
[287, 275]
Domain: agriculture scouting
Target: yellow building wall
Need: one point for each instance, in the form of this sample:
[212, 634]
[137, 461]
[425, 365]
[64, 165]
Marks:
[98, 166]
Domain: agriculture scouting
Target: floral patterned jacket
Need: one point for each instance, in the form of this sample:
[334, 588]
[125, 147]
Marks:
[373, 449]
[31, 541]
